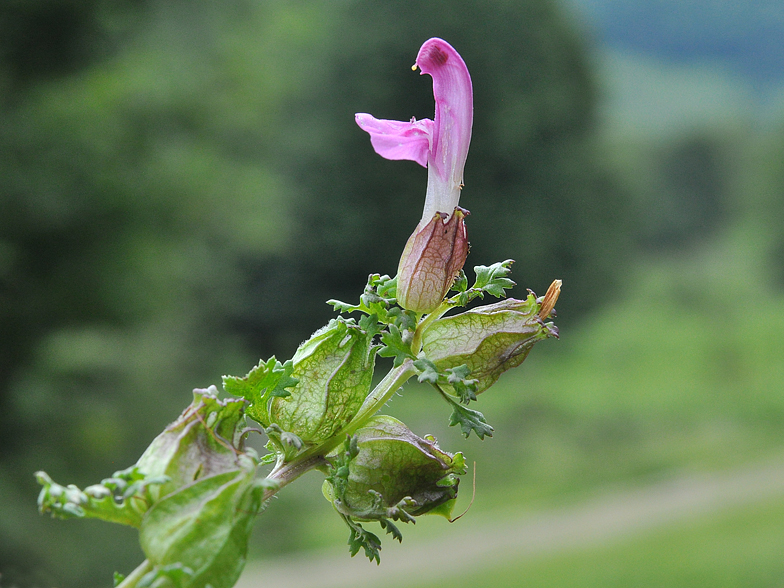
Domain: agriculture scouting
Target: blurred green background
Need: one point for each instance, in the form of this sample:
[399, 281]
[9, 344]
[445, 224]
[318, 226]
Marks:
[182, 186]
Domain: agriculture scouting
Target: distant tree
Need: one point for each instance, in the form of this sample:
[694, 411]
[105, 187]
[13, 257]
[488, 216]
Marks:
[687, 196]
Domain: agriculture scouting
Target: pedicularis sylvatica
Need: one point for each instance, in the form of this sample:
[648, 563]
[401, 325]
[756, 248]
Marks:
[197, 490]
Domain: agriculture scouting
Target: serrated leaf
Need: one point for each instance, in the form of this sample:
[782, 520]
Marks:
[460, 372]
[113, 501]
[386, 287]
[394, 346]
[378, 296]
[391, 529]
[464, 387]
[369, 324]
[343, 307]
[264, 382]
[492, 279]
[428, 373]
[360, 538]
[461, 282]
[470, 420]
[370, 299]
[268, 459]
[405, 320]
[285, 380]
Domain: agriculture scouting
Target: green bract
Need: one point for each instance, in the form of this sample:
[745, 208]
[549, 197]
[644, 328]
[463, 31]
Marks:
[489, 339]
[395, 475]
[202, 529]
[202, 442]
[334, 371]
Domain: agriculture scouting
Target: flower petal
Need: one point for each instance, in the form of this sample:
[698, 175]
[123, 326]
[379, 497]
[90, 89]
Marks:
[453, 120]
[394, 139]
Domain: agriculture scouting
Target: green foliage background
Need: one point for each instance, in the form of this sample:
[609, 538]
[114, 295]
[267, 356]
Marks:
[182, 186]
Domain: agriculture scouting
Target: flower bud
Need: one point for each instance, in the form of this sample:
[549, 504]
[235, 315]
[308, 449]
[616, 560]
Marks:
[397, 475]
[489, 339]
[433, 256]
[334, 369]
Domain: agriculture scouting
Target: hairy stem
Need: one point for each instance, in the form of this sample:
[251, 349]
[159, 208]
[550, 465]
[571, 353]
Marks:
[132, 579]
[288, 472]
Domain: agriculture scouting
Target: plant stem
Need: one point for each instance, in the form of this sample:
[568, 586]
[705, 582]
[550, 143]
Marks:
[133, 578]
[416, 343]
[288, 472]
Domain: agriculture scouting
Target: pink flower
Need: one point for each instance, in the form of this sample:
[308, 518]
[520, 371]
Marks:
[437, 249]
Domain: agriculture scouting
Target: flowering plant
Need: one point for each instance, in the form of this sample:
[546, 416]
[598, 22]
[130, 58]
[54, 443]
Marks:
[195, 492]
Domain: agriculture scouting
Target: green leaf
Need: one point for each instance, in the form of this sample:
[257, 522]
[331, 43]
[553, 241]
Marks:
[268, 458]
[395, 346]
[118, 578]
[266, 381]
[461, 282]
[123, 499]
[369, 323]
[428, 372]
[470, 420]
[464, 387]
[385, 286]
[492, 279]
[405, 320]
[455, 380]
[391, 529]
[378, 296]
[344, 307]
[359, 538]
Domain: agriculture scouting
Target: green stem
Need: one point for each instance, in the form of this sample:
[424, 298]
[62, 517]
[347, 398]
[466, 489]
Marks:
[416, 343]
[288, 472]
[133, 578]
[380, 395]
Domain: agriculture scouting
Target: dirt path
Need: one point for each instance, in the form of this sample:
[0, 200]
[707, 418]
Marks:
[604, 518]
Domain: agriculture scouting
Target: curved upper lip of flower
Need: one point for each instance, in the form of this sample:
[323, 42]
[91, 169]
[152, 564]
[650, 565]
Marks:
[440, 144]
